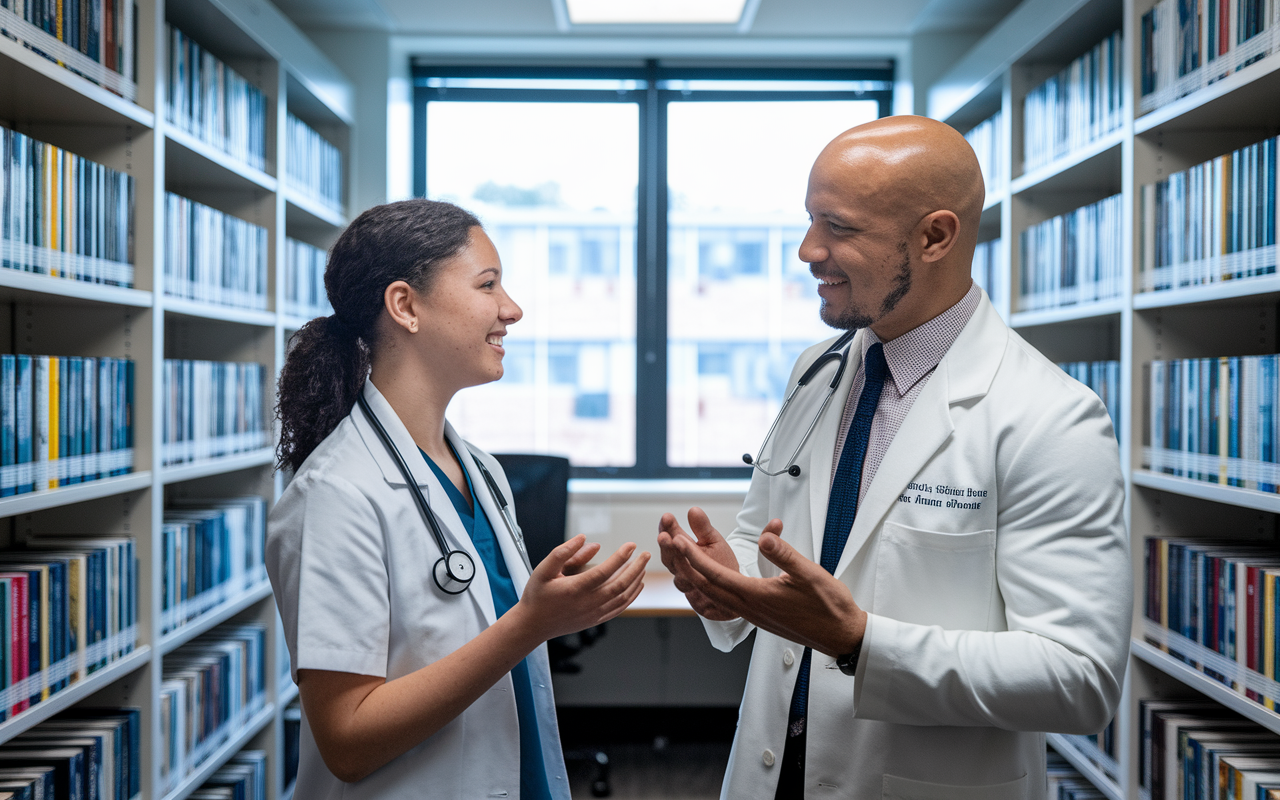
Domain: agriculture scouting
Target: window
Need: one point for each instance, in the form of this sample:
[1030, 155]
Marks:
[649, 221]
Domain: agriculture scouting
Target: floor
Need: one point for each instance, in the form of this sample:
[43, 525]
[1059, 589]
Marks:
[669, 770]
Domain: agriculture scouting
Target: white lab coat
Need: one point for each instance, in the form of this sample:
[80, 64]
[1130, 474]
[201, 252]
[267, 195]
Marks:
[350, 560]
[989, 622]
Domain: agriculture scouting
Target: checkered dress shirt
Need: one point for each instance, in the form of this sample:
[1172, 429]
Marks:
[912, 358]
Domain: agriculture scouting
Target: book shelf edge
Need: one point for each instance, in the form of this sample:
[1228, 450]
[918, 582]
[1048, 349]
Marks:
[82, 690]
[214, 617]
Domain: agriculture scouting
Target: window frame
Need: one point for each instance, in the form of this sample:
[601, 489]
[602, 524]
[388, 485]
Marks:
[653, 101]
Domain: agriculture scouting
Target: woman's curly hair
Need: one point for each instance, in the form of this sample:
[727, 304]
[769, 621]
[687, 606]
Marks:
[329, 357]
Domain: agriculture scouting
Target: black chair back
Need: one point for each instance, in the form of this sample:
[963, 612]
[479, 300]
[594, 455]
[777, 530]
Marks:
[540, 489]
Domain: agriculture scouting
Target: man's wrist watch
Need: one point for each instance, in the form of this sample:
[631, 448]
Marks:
[848, 663]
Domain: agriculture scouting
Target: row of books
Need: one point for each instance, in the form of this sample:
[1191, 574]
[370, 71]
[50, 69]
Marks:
[1214, 420]
[212, 551]
[1065, 782]
[68, 607]
[1073, 258]
[214, 103]
[209, 691]
[1213, 222]
[304, 292]
[989, 267]
[244, 777]
[312, 164]
[1196, 750]
[1103, 377]
[211, 409]
[1220, 595]
[1079, 105]
[1189, 44]
[64, 215]
[987, 140]
[63, 420]
[92, 38]
[213, 257]
[81, 754]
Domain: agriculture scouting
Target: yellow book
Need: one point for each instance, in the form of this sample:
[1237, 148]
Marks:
[1224, 418]
[1269, 630]
[45, 630]
[77, 590]
[53, 421]
[62, 35]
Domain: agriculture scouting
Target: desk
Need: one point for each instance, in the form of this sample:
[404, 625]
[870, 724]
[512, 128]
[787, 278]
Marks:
[659, 598]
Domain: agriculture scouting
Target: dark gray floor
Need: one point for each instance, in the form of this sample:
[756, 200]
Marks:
[642, 772]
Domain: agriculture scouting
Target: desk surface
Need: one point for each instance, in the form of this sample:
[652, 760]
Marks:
[659, 598]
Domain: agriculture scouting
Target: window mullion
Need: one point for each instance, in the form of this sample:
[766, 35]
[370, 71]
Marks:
[651, 295]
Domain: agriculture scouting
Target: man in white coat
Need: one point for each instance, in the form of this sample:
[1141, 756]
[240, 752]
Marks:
[942, 574]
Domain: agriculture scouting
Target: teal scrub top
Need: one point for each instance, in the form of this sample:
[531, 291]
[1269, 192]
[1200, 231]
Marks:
[533, 772]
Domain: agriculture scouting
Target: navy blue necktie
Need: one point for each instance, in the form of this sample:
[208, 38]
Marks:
[842, 506]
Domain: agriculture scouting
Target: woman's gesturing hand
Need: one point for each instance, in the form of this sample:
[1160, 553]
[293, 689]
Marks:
[559, 599]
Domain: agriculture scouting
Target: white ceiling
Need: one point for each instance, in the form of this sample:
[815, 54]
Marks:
[775, 18]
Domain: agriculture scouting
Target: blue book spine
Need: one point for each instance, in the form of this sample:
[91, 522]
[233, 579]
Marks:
[75, 436]
[33, 596]
[8, 425]
[24, 410]
[58, 617]
[1233, 434]
[89, 418]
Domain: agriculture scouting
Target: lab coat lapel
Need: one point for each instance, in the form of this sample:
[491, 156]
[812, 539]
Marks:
[454, 532]
[965, 372]
[823, 442]
[927, 426]
[489, 505]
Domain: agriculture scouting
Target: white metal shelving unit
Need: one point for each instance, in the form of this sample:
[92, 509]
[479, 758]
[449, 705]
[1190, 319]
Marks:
[1237, 317]
[68, 317]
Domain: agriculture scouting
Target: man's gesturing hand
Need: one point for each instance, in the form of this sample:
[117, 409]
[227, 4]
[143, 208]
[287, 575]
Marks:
[805, 604]
[711, 543]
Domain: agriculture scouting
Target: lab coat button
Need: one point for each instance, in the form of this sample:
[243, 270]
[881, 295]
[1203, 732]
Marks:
[788, 658]
[768, 758]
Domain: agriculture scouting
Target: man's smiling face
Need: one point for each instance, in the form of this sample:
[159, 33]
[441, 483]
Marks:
[856, 245]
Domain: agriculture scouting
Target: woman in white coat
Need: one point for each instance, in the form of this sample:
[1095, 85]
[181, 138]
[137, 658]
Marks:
[408, 690]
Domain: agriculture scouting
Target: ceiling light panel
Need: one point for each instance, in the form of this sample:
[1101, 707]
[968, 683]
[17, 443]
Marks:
[655, 12]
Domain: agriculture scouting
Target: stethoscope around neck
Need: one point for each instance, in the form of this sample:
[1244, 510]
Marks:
[839, 352]
[453, 571]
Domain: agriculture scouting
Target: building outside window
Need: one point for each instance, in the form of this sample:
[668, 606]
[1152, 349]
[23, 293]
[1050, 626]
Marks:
[677, 241]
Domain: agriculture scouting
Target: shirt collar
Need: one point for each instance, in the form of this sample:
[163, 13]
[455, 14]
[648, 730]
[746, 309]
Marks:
[917, 352]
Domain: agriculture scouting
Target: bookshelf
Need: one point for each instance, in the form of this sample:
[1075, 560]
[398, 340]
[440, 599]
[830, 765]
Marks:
[132, 131]
[1225, 318]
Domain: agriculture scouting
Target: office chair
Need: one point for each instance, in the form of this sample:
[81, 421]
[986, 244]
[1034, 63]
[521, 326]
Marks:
[540, 492]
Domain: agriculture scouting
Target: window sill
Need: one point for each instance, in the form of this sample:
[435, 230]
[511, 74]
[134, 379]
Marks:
[658, 487]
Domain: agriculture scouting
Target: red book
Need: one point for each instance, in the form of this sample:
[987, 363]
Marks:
[1224, 27]
[108, 35]
[19, 603]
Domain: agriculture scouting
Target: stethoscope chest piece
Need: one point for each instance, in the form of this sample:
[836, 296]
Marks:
[454, 572]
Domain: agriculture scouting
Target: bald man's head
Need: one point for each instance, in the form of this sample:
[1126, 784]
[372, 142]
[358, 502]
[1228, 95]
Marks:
[895, 206]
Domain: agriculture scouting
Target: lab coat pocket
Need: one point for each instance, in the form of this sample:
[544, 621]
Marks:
[896, 788]
[931, 578]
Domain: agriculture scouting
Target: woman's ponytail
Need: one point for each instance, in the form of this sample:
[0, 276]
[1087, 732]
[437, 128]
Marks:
[326, 368]
[330, 357]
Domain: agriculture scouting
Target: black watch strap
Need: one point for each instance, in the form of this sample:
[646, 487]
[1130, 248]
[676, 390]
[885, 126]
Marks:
[848, 663]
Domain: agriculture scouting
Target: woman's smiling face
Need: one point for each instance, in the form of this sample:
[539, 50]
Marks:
[467, 312]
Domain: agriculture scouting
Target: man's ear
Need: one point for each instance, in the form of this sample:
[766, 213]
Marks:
[939, 232]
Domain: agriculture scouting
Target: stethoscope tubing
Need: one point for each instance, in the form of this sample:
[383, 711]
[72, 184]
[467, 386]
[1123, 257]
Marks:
[457, 566]
[838, 351]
